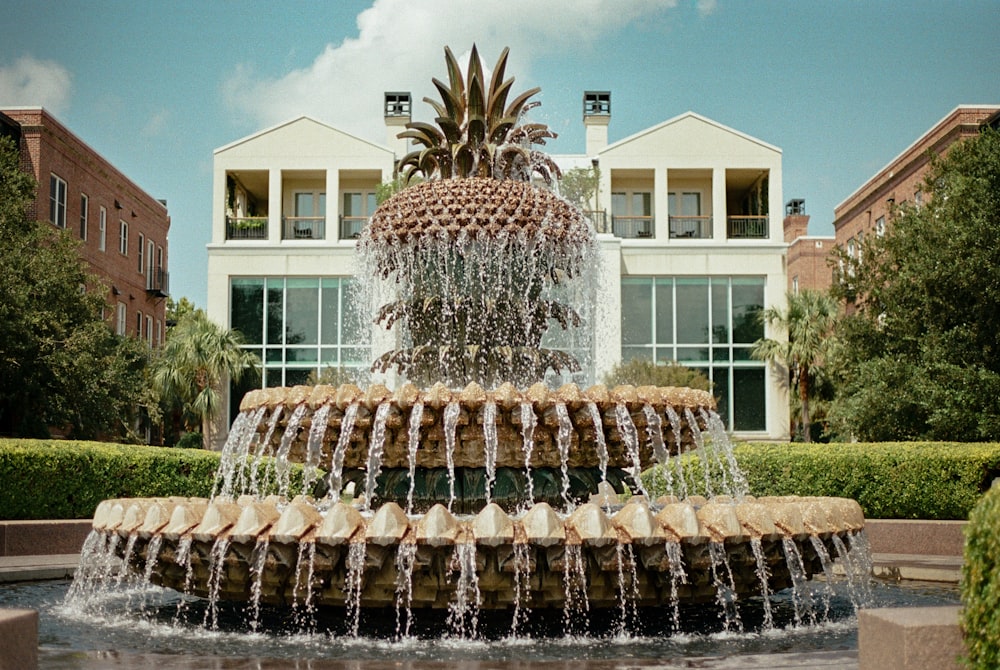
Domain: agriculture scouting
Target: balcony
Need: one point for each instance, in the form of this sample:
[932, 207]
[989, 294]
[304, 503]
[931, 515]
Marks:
[158, 283]
[350, 226]
[598, 219]
[246, 228]
[691, 227]
[303, 228]
[747, 227]
[632, 227]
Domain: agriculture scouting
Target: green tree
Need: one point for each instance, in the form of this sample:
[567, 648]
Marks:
[579, 186]
[199, 356]
[645, 372]
[921, 358]
[61, 367]
[178, 309]
[809, 322]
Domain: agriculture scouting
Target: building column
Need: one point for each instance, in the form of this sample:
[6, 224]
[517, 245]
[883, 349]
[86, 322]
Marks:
[661, 205]
[719, 223]
[332, 212]
[275, 206]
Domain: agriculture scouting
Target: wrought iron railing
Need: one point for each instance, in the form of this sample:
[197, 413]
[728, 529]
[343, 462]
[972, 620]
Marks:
[691, 227]
[303, 228]
[246, 227]
[632, 227]
[599, 219]
[158, 282]
[350, 226]
[747, 227]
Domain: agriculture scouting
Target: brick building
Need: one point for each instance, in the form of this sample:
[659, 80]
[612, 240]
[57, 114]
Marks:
[869, 209]
[121, 228]
[807, 260]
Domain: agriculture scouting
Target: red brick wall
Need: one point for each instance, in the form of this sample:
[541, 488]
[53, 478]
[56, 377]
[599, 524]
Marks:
[47, 148]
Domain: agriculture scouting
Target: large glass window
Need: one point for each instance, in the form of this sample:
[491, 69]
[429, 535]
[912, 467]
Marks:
[298, 326]
[705, 323]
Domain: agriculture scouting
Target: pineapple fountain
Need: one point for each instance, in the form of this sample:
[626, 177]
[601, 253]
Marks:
[474, 485]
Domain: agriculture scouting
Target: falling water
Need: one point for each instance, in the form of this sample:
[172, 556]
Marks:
[721, 443]
[314, 446]
[126, 559]
[763, 575]
[232, 464]
[98, 563]
[152, 554]
[353, 582]
[628, 587]
[699, 445]
[376, 447]
[413, 442]
[182, 557]
[522, 592]
[678, 576]
[630, 439]
[654, 433]
[451, 413]
[528, 423]
[463, 611]
[574, 585]
[675, 423]
[406, 556]
[261, 455]
[304, 564]
[281, 466]
[340, 451]
[725, 587]
[857, 569]
[259, 559]
[216, 571]
[802, 598]
[563, 443]
[490, 446]
[601, 443]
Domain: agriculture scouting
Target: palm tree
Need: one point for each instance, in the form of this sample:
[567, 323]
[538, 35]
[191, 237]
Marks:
[198, 356]
[809, 322]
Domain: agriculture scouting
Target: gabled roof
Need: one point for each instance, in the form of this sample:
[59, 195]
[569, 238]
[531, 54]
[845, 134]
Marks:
[296, 121]
[685, 118]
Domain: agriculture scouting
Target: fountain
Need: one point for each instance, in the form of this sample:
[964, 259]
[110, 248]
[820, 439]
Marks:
[476, 485]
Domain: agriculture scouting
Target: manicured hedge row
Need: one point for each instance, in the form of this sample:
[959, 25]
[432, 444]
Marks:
[52, 479]
[980, 584]
[913, 480]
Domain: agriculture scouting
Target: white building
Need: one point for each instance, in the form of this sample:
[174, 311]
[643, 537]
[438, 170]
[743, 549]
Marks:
[690, 228]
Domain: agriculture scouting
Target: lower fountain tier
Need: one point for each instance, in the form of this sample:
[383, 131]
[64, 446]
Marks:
[286, 552]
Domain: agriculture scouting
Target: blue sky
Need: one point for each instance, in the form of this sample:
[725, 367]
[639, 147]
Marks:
[155, 87]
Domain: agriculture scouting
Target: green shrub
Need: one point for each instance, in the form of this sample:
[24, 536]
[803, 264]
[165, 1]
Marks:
[889, 480]
[192, 440]
[980, 584]
[642, 372]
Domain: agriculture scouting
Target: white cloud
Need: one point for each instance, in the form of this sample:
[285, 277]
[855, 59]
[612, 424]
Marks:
[706, 7]
[400, 46]
[30, 82]
[156, 123]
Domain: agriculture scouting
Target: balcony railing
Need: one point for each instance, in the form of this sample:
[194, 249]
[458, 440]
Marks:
[747, 227]
[599, 219]
[158, 283]
[303, 227]
[631, 227]
[350, 226]
[246, 227]
[691, 227]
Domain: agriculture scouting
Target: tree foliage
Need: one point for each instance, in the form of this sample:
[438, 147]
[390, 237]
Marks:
[921, 356]
[579, 186]
[61, 367]
[643, 372]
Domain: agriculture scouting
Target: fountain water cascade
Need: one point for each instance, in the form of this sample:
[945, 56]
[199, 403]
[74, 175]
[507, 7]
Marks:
[475, 486]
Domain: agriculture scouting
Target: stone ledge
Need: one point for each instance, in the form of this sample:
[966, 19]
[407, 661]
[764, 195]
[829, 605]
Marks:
[909, 638]
[42, 538]
[908, 536]
[18, 639]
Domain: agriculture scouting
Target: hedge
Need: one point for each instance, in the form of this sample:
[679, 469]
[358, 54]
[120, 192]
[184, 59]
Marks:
[890, 480]
[980, 584]
[53, 479]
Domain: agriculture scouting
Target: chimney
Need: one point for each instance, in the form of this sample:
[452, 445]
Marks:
[397, 115]
[596, 117]
[796, 223]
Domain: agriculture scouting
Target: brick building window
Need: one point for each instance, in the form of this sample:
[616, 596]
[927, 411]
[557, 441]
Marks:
[138, 325]
[84, 214]
[122, 238]
[149, 330]
[120, 321]
[57, 201]
[102, 230]
[142, 249]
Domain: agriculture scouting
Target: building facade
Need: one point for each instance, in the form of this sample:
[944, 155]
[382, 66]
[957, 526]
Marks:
[689, 232]
[808, 255]
[122, 229]
[869, 209]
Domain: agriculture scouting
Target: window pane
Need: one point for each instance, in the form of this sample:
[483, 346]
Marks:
[640, 353]
[642, 204]
[247, 304]
[691, 204]
[619, 205]
[720, 310]
[692, 354]
[352, 204]
[297, 377]
[692, 311]
[275, 311]
[302, 311]
[304, 204]
[748, 398]
[301, 355]
[637, 311]
[356, 326]
[720, 389]
[664, 311]
[371, 203]
[330, 311]
[748, 302]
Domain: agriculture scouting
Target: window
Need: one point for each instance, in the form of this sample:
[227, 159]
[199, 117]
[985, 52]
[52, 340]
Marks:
[138, 325]
[122, 238]
[918, 198]
[357, 207]
[298, 325]
[57, 201]
[861, 244]
[84, 205]
[149, 330]
[632, 214]
[102, 232]
[706, 323]
[141, 254]
[120, 321]
[880, 226]
[851, 248]
[685, 215]
[159, 333]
